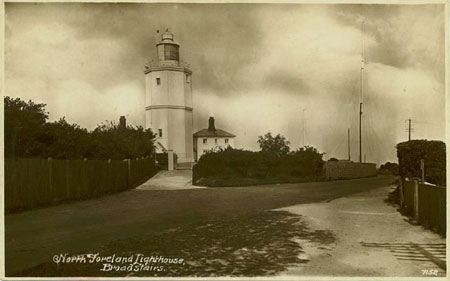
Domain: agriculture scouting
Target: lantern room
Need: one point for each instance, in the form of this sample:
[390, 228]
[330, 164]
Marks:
[168, 49]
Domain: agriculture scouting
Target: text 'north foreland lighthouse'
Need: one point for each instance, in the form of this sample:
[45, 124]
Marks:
[168, 95]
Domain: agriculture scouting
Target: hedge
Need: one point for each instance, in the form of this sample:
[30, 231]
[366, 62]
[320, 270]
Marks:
[433, 152]
[233, 167]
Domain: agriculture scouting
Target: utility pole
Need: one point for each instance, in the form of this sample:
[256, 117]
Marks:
[304, 127]
[409, 130]
[360, 132]
[362, 91]
[348, 142]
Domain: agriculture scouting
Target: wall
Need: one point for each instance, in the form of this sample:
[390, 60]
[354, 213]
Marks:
[348, 170]
[31, 183]
[211, 144]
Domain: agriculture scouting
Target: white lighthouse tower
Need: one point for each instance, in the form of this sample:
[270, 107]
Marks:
[168, 95]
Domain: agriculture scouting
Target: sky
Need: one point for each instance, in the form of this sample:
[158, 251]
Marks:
[292, 69]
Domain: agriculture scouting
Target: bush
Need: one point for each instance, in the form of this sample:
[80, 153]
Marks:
[277, 145]
[28, 134]
[433, 152]
[235, 167]
[24, 123]
[113, 142]
[389, 168]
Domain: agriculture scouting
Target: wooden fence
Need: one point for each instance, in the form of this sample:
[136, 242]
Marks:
[31, 183]
[426, 203]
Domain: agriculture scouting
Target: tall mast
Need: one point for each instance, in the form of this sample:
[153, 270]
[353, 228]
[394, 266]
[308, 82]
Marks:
[348, 143]
[362, 92]
[304, 127]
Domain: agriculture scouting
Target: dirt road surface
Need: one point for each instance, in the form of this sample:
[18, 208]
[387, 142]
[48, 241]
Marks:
[35, 236]
[372, 239]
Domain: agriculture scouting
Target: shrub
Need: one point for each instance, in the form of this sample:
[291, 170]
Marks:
[113, 142]
[235, 167]
[389, 168]
[24, 122]
[28, 134]
[277, 145]
[433, 152]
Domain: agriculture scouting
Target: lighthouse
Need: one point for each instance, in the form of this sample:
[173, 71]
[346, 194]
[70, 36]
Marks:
[168, 99]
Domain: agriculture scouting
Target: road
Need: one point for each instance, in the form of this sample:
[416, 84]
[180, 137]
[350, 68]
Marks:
[33, 237]
[371, 239]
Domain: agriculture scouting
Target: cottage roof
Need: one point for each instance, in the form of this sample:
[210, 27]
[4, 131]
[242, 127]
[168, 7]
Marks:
[212, 134]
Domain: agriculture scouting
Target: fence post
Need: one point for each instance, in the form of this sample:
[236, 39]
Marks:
[416, 200]
[401, 194]
[170, 164]
[85, 187]
[80, 180]
[67, 171]
[129, 173]
[422, 168]
[109, 186]
[50, 195]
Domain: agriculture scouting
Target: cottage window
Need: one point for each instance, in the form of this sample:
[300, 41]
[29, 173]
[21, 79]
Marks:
[160, 133]
[158, 81]
[226, 140]
[215, 141]
[205, 141]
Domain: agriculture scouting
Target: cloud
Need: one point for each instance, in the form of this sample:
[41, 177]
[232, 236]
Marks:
[256, 67]
[406, 35]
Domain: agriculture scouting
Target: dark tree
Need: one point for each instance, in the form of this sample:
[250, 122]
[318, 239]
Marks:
[66, 141]
[277, 145]
[24, 122]
[115, 142]
[389, 168]
[28, 134]
[410, 153]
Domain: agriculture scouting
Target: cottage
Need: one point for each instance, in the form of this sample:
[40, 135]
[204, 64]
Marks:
[211, 139]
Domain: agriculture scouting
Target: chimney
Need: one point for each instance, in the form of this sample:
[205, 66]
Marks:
[122, 122]
[211, 124]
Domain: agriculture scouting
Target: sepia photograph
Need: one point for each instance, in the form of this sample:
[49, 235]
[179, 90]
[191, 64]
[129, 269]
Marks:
[185, 140]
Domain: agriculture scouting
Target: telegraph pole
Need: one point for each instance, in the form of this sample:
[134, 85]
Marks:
[348, 142]
[409, 129]
[304, 127]
[360, 132]
[362, 92]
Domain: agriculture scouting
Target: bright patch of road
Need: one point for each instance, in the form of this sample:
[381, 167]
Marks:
[372, 239]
